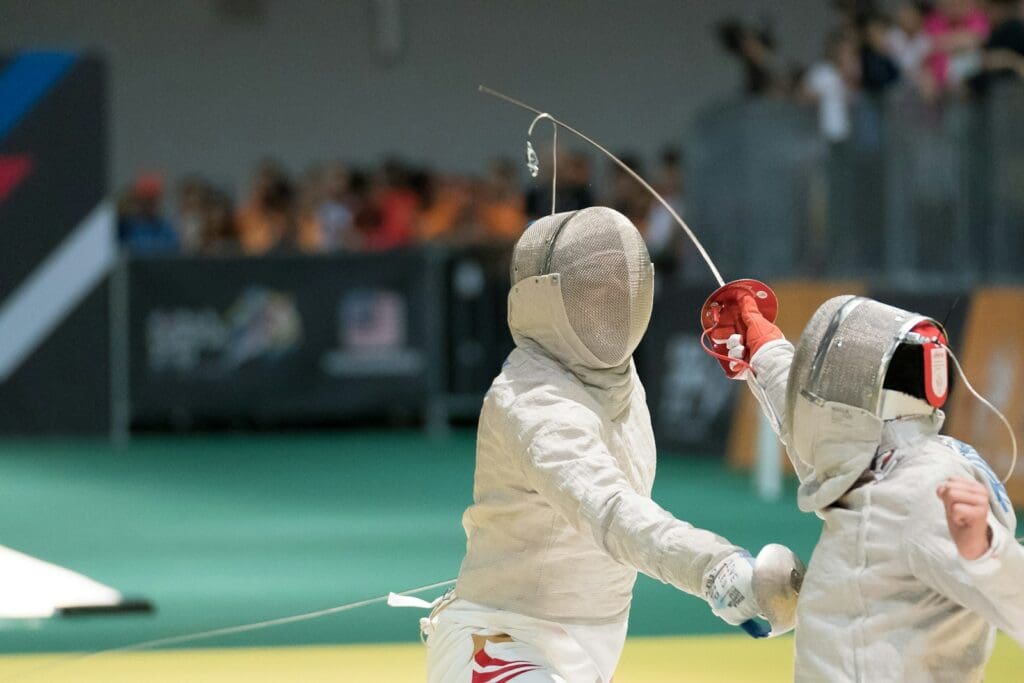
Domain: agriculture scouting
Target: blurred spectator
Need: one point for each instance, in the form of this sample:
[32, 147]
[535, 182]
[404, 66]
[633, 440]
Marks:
[626, 195]
[218, 234]
[1003, 52]
[574, 185]
[267, 220]
[908, 43]
[334, 214]
[206, 218]
[879, 69]
[192, 198]
[447, 202]
[755, 48]
[140, 228]
[662, 234]
[307, 223]
[501, 208]
[833, 83]
[852, 10]
[397, 204]
[957, 29]
[366, 215]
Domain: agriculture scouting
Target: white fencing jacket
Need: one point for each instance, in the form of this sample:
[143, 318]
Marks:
[886, 596]
[562, 517]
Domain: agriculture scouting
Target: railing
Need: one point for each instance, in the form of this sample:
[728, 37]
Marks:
[920, 193]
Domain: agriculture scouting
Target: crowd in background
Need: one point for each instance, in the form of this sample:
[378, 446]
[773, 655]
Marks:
[331, 207]
[936, 49]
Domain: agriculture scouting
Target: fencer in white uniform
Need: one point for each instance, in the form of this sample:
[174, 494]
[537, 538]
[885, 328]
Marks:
[886, 596]
[562, 517]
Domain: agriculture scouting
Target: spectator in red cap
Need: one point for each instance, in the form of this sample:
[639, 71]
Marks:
[140, 228]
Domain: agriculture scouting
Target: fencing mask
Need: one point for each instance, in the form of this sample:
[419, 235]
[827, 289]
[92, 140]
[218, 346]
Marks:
[854, 350]
[858, 363]
[582, 286]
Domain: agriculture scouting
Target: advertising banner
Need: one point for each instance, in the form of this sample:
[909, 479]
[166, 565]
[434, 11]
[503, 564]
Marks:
[283, 339]
[56, 245]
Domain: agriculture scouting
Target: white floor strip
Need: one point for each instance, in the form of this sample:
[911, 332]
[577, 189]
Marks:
[33, 589]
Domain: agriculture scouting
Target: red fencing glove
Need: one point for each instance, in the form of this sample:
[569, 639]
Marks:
[755, 328]
[727, 341]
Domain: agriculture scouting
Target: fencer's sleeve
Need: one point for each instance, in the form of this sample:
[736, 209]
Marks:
[999, 573]
[565, 460]
[989, 586]
[768, 383]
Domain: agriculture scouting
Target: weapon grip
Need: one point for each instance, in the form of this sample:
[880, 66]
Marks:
[755, 629]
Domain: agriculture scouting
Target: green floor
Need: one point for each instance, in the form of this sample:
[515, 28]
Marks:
[226, 530]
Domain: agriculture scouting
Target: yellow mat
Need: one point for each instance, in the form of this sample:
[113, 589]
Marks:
[703, 659]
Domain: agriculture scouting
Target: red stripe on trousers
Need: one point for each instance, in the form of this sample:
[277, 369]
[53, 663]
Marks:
[510, 669]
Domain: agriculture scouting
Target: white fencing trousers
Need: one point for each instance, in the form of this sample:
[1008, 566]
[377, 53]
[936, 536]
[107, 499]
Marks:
[469, 643]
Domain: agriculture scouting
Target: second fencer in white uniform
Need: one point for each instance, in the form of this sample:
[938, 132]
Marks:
[562, 519]
[886, 596]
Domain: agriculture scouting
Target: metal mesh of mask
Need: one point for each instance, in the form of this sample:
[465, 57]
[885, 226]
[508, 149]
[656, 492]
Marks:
[844, 351]
[605, 271]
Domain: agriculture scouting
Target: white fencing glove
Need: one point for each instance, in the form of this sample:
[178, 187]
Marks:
[729, 590]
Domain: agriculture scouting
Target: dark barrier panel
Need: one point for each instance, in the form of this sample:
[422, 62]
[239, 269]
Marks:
[476, 326]
[55, 247]
[286, 339]
[690, 399]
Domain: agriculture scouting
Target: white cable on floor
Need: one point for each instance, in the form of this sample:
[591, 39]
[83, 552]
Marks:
[226, 631]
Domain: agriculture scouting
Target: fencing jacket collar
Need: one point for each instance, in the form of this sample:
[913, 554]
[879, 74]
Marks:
[910, 431]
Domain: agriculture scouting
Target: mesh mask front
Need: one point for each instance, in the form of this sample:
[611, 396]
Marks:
[605, 271]
[845, 350]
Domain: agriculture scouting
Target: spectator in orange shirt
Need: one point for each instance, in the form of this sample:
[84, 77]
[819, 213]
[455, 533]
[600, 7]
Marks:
[267, 220]
[502, 207]
[446, 201]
